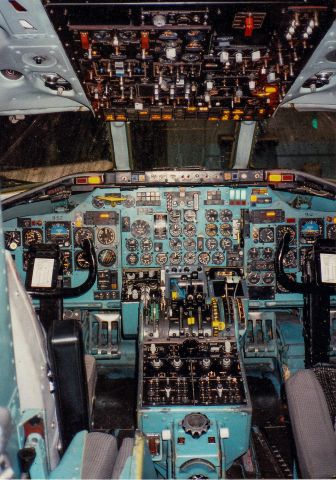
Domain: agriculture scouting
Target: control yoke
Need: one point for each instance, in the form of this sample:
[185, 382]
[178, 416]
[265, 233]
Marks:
[281, 276]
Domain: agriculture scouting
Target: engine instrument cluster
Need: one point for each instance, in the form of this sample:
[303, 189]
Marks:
[218, 61]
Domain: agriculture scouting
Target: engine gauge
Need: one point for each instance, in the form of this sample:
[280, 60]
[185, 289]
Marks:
[146, 244]
[81, 262]
[190, 216]
[225, 215]
[253, 278]
[12, 240]
[331, 231]
[290, 259]
[253, 253]
[132, 244]
[211, 243]
[161, 258]
[204, 258]
[146, 259]
[132, 259]
[189, 244]
[310, 229]
[107, 257]
[211, 215]
[282, 229]
[217, 258]
[268, 253]
[175, 230]
[140, 228]
[105, 235]
[268, 278]
[226, 243]
[189, 229]
[32, 236]
[175, 258]
[266, 235]
[189, 258]
[98, 202]
[211, 229]
[82, 234]
[175, 215]
[175, 244]
[225, 230]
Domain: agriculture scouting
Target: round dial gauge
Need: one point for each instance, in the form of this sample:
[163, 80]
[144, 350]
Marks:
[266, 235]
[98, 202]
[81, 261]
[58, 232]
[175, 230]
[211, 243]
[175, 244]
[189, 229]
[225, 230]
[32, 236]
[189, 258]
[161, 258]
[211, 215]
[83, 234]
[12, 240]
[253, 253]
[146, 259]
[282, 229]
[175, 215]
[310, 230]
[175, 258]
[253, 278]
[217, 258]
[146, 244]
[107, 257]
[289, 260]
[268, 253]
[268, 278]
[132, 259]
[129, 202]
[140, 228]
[190, 215]
[105, 235]
[211, 229]
[226, 243]
[225, 215]
[189, 244]
[204, 258]
[331, 231]
[132, 244]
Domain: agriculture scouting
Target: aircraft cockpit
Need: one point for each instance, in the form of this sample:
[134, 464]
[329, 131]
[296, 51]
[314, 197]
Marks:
[162, 320]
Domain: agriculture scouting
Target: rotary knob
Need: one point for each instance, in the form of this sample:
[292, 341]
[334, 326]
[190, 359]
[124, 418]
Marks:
[196, 424]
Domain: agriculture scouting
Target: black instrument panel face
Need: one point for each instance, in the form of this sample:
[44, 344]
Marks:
[179, 228]
[221, 61]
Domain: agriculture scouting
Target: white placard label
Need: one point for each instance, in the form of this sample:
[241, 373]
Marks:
[328, 267]
[42, 273]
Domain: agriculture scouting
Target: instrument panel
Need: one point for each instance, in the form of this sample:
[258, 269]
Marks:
[183, 229]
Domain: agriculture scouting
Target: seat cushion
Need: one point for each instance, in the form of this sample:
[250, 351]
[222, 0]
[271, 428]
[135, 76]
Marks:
[100, 453]
[125, 452]
[91, 376]
[313, 433]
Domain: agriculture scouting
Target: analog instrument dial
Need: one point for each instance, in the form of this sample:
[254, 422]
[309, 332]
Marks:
[82, 234]
[211, 215]
[204, 258]
[310, 229]
[268, 278]
[189, 244]
[189, 258]
[189, 229]
[226, 243]
[175, 244]
[31, 236]
[140, 228]
[81, 262]
[225, 215]
[211, 243]
[331, 231]
[253, 253]
[146, 259]
[161, 258]
[132, 244]
[175, 258]
[253, 278]
[12, 240]
[106, 235]
[58, 232]
[211, 229]
[132, 259]
[266, 235]
[268, 253]
[175, 215]
[217, 258]
[225, 230]
[289, 260]
[190, 216]
[282, 229]
[107, 257]
[175, 230]
[146, 244]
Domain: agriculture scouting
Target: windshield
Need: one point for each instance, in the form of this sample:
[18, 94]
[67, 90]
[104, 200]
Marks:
[45, 147]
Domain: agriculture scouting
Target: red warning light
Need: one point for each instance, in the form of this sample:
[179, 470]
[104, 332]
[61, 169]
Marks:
[249, 25]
